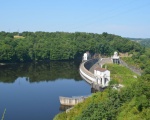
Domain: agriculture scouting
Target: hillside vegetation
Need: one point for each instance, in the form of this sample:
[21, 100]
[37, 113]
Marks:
[121, 75]
[33, 46]
[143, 41]
[131, 102]
[140, 60]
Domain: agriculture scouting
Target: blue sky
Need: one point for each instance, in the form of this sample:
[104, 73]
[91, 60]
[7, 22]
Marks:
[127, 18]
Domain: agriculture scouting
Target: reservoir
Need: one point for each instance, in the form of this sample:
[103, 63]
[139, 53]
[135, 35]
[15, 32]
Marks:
[31, 91]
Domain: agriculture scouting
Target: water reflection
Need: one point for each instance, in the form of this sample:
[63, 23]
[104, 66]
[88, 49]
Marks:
[34, 89]
[64, 107]
[42, 71]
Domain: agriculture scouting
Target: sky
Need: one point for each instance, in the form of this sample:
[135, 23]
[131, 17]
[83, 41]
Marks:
[126, 18]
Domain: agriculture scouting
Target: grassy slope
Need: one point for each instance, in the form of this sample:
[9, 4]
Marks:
[130, 61]
[121, 75]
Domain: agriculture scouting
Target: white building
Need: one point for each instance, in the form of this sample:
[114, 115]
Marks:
[115, 58]
[102, 76]
[86, 56]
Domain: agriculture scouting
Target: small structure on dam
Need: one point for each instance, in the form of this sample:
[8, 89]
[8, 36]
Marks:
[102, 76]
[115, 58]
[86, 56]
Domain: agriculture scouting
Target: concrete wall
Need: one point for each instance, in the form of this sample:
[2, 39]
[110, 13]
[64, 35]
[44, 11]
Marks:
[90, 63]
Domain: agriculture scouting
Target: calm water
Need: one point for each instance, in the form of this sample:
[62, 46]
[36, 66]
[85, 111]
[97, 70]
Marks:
[31, 91]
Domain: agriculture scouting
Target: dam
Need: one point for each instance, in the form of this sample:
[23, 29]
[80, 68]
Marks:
[87, 72]
[92, 72]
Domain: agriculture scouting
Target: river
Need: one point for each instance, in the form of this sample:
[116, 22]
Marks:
[31, 91]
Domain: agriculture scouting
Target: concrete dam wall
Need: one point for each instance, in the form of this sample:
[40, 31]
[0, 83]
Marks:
[90, 63]
[84, 70]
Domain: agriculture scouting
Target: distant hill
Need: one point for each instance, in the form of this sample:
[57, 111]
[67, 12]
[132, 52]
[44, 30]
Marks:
[143, 41]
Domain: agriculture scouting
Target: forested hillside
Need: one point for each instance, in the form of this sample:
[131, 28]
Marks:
[143, 41]
[140, 60]
[33, 46]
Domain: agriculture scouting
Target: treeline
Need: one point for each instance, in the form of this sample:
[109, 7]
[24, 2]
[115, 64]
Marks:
[34, 46]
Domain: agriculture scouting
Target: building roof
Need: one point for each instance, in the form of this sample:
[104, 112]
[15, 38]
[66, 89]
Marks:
[100, 69]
